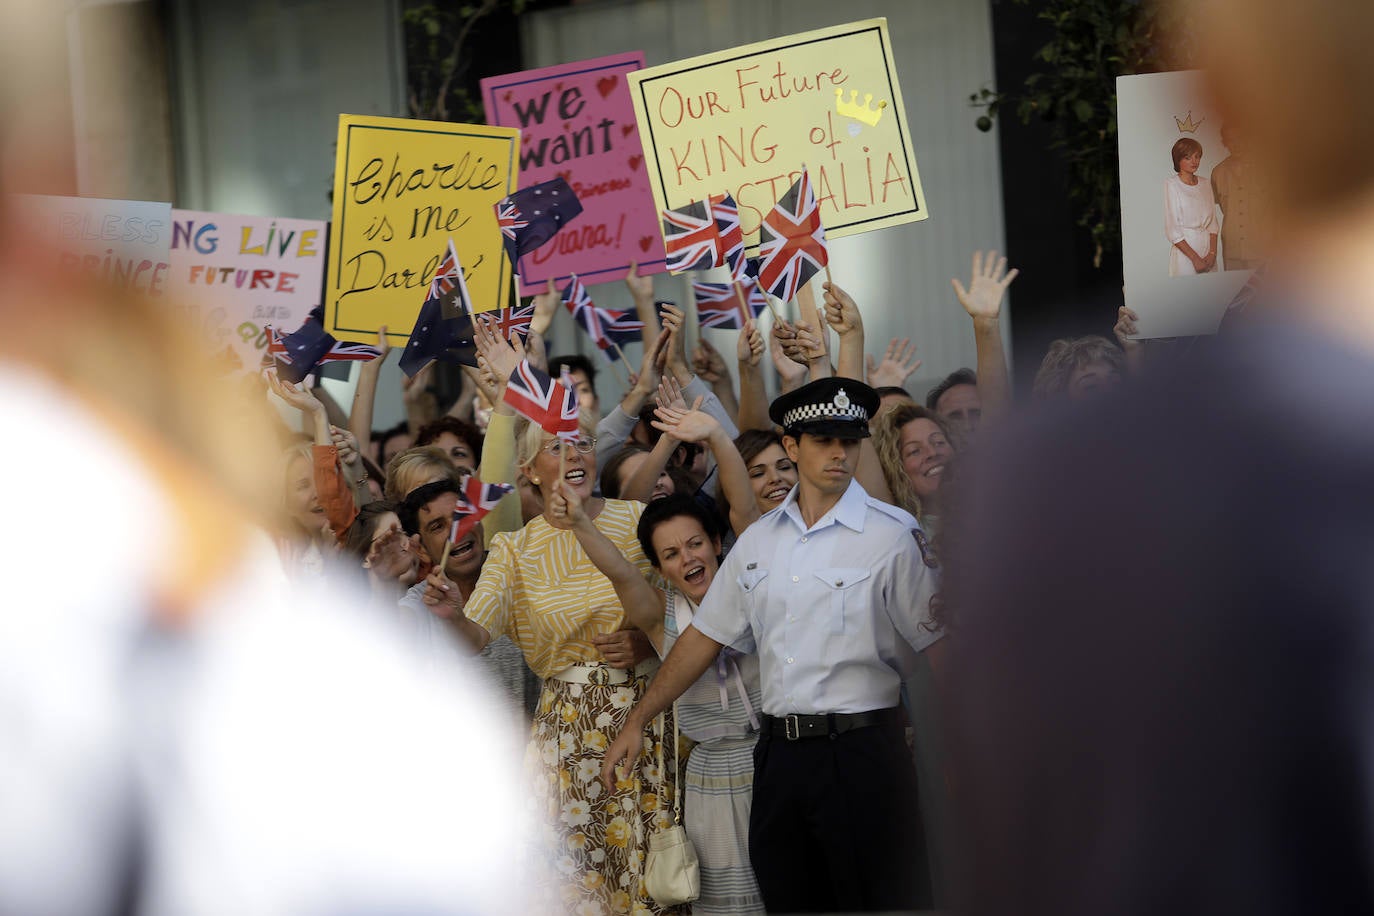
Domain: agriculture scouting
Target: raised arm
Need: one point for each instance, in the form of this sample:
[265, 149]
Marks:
[710, 367]
[360, 417]
[642, 603]
[898, 363]
[642, 292]
[753, 398]
[983, 301]
[693, 652]
[842, 314]
[330, 486]
[683, 425]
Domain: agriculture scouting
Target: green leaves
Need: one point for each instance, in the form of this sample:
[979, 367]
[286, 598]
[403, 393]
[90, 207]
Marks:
[1074, 92]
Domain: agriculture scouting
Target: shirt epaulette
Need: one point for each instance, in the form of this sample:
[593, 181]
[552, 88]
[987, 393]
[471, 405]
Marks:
[894, 512]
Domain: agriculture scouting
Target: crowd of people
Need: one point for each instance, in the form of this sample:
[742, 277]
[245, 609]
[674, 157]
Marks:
[572, 591]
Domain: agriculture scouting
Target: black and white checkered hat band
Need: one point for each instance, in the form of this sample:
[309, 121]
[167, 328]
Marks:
[827, 411]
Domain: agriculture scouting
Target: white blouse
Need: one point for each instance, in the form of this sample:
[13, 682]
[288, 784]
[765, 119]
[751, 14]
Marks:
[1189, 216]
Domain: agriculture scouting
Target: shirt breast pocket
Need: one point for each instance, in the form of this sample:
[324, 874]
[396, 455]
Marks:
[848, 595]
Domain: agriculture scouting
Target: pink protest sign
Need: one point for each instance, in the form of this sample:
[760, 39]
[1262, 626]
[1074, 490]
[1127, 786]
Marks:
[577, 121]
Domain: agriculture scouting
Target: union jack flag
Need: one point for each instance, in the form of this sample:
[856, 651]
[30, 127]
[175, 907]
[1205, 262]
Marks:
[550, 404]
[302, 351]
[448, 285]
[692, 238]
[726, 214]
[718, 306]
[792, 242]
[604, 326]
[511, 321]
[475, 500]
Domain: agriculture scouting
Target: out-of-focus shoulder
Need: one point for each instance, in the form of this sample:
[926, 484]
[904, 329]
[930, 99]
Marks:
[889, 513]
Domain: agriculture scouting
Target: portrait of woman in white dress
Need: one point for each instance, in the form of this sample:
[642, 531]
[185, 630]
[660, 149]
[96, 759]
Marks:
[1190, 221]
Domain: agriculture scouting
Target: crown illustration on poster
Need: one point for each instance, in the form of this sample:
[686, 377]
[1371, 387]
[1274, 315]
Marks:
[852, 108]
[1189, 126]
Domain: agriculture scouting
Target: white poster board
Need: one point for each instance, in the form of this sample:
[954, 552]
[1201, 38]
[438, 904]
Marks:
[1154, 113]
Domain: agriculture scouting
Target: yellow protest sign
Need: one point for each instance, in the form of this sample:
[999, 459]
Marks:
[746, 120]
[402, 189]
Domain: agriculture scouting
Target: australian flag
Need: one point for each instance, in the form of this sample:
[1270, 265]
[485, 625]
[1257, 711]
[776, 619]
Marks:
[718, 303]
[299, 353]
[692, 238]
[792, 242]
[531, 216]
[436, 337]
[475, 500]
[551, 404]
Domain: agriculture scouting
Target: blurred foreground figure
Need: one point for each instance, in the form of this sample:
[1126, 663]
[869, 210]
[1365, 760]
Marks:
[182, 733]
[1163, 675]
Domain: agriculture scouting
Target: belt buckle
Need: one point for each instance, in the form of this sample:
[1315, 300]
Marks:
[791, 727]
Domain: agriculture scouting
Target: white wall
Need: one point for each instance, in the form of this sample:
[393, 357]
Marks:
[900, 277]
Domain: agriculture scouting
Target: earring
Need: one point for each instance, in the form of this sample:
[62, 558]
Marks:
[535, 481]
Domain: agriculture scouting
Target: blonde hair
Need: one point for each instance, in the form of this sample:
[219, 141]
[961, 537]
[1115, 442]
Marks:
[415, 467]
[887, 442]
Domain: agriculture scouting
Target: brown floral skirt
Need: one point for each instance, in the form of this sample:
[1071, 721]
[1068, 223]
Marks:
[592, 843]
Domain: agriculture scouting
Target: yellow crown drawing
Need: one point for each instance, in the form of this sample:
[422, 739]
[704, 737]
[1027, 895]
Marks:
[1189, 126]
[852, 108]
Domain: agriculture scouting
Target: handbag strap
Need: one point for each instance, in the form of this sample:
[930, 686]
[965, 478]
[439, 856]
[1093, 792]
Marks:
[677, 777]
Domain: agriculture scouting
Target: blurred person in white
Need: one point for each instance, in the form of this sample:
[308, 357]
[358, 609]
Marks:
[184, 734]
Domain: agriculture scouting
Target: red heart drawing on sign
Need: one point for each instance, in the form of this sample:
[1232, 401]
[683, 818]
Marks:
[635, 161]
[606, 85]
[507, 97]
[645, 242]
[558, 85]
[626, 129]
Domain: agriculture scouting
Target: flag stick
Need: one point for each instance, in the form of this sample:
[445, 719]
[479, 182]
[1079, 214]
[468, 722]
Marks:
[448, 545]
[744, 313]
[773, 309]
[621, 353]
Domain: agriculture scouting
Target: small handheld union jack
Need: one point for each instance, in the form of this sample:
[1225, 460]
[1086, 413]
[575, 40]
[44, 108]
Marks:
[792, 245]
[608, 328]
[448, 285]
[692, 239]
[718, 303]
[542, 400]
[475, 500]
[511, 321]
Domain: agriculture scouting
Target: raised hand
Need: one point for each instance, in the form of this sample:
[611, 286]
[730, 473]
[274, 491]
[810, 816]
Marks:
[780, 338]
[987, 286]
[1126, 326]
[442, 596]
[749, 348]
[686, 425]
[670, 394]
[707, 362]
[299, 397]
[841, 312]
[673, 320]
[346, 444]
[383, 344]
[500, 354]
[641, 288]
[897, 364]
[414, 387]
[564, 510]
[545, 307]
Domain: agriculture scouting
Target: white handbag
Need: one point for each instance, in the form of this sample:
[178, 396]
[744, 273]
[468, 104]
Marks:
[672, 874]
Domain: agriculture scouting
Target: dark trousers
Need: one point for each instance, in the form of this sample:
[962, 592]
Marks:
[835, 825]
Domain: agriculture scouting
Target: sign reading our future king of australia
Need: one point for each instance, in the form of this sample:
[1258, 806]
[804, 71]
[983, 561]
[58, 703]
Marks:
[746, 120]
[402, 189]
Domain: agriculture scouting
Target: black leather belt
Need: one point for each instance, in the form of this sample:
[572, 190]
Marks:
[796, 727]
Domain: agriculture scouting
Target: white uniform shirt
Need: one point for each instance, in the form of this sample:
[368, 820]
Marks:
[827, 608]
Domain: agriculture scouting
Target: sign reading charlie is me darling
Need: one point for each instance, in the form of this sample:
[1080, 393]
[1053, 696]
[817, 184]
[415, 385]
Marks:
[235, 275]
[402, 189]
[577, 123]
[746, 120]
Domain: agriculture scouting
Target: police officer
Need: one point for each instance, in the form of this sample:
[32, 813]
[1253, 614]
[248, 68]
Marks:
[830, 590]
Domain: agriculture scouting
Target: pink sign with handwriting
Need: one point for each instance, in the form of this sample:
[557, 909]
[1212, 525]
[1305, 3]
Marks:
[576, 120]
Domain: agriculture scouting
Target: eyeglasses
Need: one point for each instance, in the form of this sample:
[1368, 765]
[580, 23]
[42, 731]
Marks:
[584, 445]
